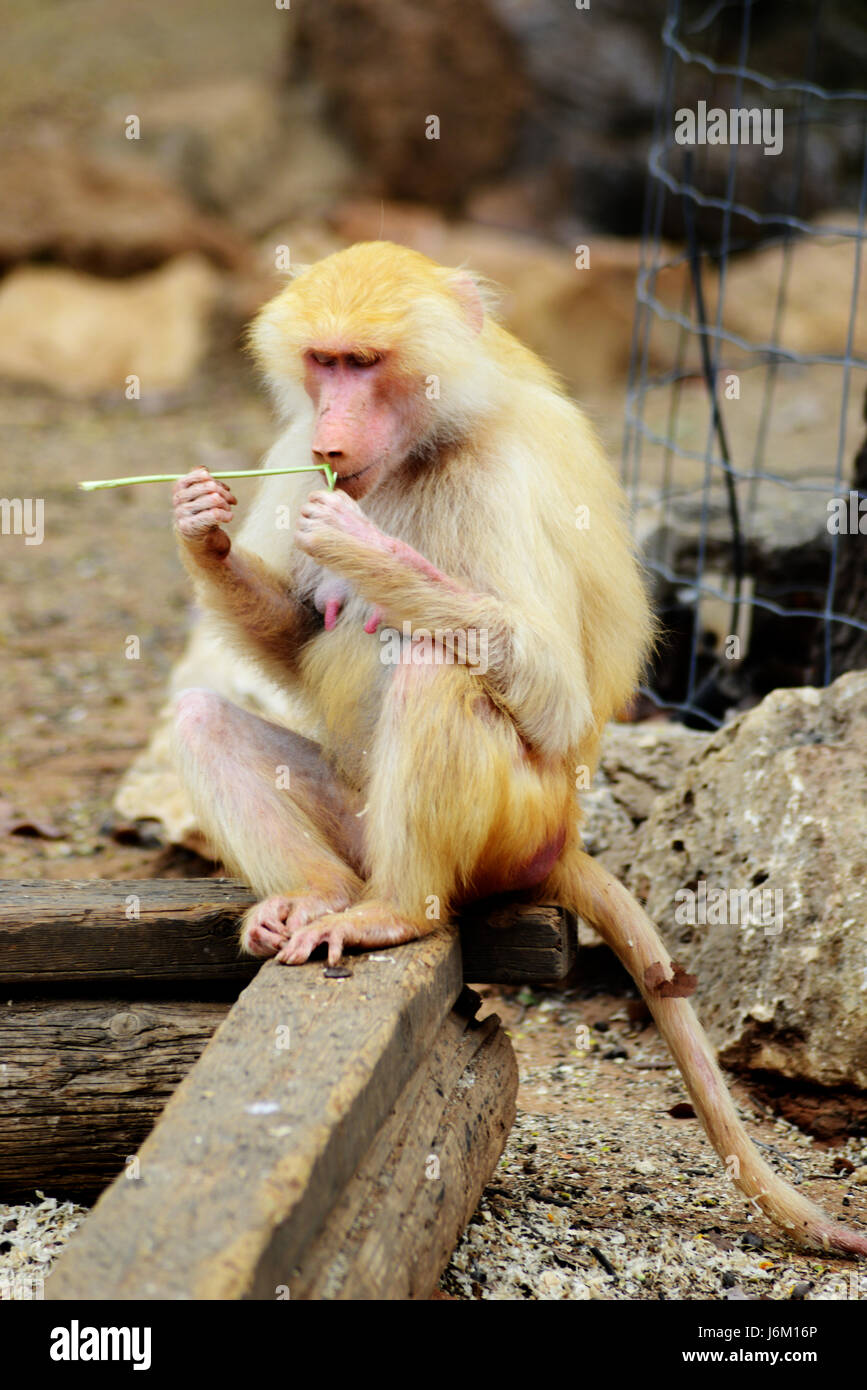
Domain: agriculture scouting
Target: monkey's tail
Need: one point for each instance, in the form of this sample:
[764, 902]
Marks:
[582, 884]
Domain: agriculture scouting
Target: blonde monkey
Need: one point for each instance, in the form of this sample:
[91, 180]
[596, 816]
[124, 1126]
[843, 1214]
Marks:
[472, 500]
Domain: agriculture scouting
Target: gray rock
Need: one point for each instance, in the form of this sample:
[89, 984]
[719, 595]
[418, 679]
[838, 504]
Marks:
[775, 802]
[638, 762]
[779, 522]
[387, 69]
[243, 149]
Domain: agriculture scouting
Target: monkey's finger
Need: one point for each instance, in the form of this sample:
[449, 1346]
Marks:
[298, 948]
[335, 946]
[260, 941]
[327, 502]
[272, 920]
[306, 538]
[300, 917]
[312, 512]
[337, 501]
[196, 522]
[202, 489]
[217, 485]
[203, 525]
[302, 944]
[203, 504]
[198, 475]
[311, 522]
[224, 489]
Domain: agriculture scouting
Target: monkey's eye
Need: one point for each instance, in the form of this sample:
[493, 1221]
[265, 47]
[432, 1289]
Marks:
[364, 359]
[324, 359]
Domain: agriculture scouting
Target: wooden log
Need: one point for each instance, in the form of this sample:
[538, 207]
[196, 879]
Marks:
[517, 943]
[391, 1233]
[262, 1136]
[80, 930]
[82, 1083]
[186, 929]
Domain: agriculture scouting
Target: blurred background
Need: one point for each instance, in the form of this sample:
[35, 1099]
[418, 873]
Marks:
[159, 162]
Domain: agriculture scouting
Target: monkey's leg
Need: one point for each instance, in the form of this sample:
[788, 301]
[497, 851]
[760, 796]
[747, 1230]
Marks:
[455, 809]
[274, 813]
[581, 883]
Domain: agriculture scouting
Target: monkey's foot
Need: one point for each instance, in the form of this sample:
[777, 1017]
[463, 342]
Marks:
[266, 926]
[367, 925]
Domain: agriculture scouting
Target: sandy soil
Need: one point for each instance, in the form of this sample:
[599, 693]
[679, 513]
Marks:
[603, 1192]
[73, 707]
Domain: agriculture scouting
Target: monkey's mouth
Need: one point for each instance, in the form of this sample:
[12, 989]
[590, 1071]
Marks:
[349, 477]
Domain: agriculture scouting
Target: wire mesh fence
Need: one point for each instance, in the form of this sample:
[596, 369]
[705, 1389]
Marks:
[743, 453]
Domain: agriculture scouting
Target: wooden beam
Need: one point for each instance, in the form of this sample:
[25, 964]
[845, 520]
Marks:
[111, 930]
[392, 1232]
[82, 1083]
[186, 929]
[261, 1138]
[510, 942]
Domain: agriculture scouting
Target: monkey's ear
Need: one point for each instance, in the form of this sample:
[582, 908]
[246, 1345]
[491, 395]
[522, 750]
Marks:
[468, 294]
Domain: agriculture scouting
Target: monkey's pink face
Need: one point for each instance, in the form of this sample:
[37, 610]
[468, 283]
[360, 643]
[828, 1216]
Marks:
[364, 425]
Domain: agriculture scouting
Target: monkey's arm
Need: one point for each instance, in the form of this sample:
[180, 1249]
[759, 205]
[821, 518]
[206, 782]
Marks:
[528, 674]
[253, 603]
[257, 608]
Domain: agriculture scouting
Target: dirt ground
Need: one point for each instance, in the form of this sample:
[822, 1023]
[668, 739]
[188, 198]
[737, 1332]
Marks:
[74, 707]
[602, 1192]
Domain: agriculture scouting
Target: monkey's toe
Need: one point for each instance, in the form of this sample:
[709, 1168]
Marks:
[273, 914]
[276, 921]
[333, 930]
[366, 926]
[259, 941]
[301, 945]
[264, 927]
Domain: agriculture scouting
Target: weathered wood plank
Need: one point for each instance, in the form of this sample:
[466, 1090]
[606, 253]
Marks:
[392, 1231]
[186, 929]
[517, 943]
[82, 1083]
[262, 1136]
[77, 930]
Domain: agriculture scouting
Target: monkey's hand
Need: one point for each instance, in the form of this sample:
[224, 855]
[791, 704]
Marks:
[332, 525]
[200, 504]
[392, 576]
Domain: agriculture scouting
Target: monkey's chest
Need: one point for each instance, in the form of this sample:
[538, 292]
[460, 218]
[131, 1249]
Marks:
[345, 675]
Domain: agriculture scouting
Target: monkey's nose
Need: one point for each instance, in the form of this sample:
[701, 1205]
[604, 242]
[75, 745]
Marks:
[321, 455]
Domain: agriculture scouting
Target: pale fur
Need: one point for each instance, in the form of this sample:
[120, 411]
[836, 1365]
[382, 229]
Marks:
[459, 775]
